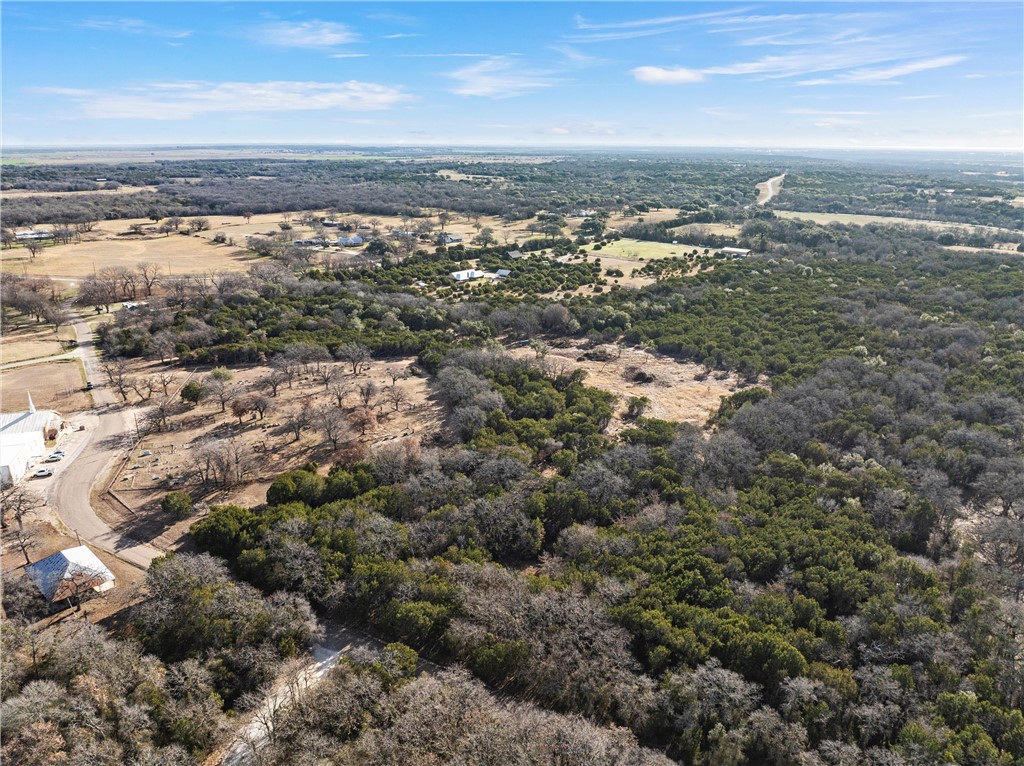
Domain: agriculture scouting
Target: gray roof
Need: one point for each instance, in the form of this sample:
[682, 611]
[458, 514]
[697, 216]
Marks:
[24, 422]
[68, 572]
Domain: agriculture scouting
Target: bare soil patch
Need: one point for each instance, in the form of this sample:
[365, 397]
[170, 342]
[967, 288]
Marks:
[53, 385]
[679, 392]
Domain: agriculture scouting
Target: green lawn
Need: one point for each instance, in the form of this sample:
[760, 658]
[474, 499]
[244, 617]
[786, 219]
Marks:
[634, 249]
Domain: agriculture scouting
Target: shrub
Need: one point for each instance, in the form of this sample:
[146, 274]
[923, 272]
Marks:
[178, 504]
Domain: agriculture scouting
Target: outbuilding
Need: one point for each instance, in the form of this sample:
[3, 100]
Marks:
[70, 574]
[467, 275]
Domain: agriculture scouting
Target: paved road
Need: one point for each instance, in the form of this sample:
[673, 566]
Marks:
[107, 434]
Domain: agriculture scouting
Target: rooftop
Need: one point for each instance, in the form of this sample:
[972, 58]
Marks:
[69, 572]
[25, 422]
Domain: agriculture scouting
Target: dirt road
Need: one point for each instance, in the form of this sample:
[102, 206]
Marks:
[339, 642]
[768, 189]
[107, 434]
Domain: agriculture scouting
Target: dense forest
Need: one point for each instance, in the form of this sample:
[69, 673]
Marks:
[828, 572]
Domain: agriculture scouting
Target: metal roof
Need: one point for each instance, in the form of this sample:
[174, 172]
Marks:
[69, 572]
[24, 422]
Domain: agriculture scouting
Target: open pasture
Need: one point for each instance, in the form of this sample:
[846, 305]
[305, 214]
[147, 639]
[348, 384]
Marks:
[53, 386]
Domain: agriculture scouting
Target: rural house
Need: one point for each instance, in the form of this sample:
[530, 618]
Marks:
[467, 275]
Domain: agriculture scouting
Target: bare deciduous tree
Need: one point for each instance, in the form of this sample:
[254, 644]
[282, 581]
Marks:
[334, 426]
[150, 274]
[354, 354]
[16, 502]
[340, 391]
[298, 420]
[116, 371]
[397, 396]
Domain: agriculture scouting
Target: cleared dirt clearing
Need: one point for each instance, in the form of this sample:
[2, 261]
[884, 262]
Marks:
[676, 393]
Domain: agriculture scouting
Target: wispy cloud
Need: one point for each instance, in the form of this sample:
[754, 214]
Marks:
[722, 113]
[349, 55]
[629, 30]
[585, 128]
[449, 55]
[918, 98]
[828, 112]
[845, 65]
[304, 34]
[499, 77]
[187, 99]
[577, 58]
[400, 35]
[658, 75]
[886, 74]
[133, 27]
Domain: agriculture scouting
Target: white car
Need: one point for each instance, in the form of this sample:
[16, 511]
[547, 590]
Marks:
[41, 473]
[54, 459]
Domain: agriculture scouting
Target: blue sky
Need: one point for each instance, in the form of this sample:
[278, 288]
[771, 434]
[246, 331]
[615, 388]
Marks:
[915, 75]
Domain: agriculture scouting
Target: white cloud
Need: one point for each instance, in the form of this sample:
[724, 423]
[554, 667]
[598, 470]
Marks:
[885, 74]
[400, 35]
[349, 55]
[918, 98]
[498, 77]
[658, 75]
[132, 27]
[305, 34]
[184, 100]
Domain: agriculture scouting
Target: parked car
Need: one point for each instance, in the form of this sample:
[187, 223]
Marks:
[41, 473]
[88, 386]
[57, 452]
[54, 459]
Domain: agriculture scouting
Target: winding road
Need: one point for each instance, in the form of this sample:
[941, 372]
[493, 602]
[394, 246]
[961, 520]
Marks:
[90, 454]
[104, 441]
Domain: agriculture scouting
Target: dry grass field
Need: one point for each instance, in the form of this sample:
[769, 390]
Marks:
[861, 220]
[15, 193]
[53, 385]
[33, 341]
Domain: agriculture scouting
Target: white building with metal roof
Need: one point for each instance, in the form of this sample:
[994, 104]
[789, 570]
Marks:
[22, 438]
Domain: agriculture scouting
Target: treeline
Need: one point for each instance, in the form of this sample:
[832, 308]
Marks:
[374, 187]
